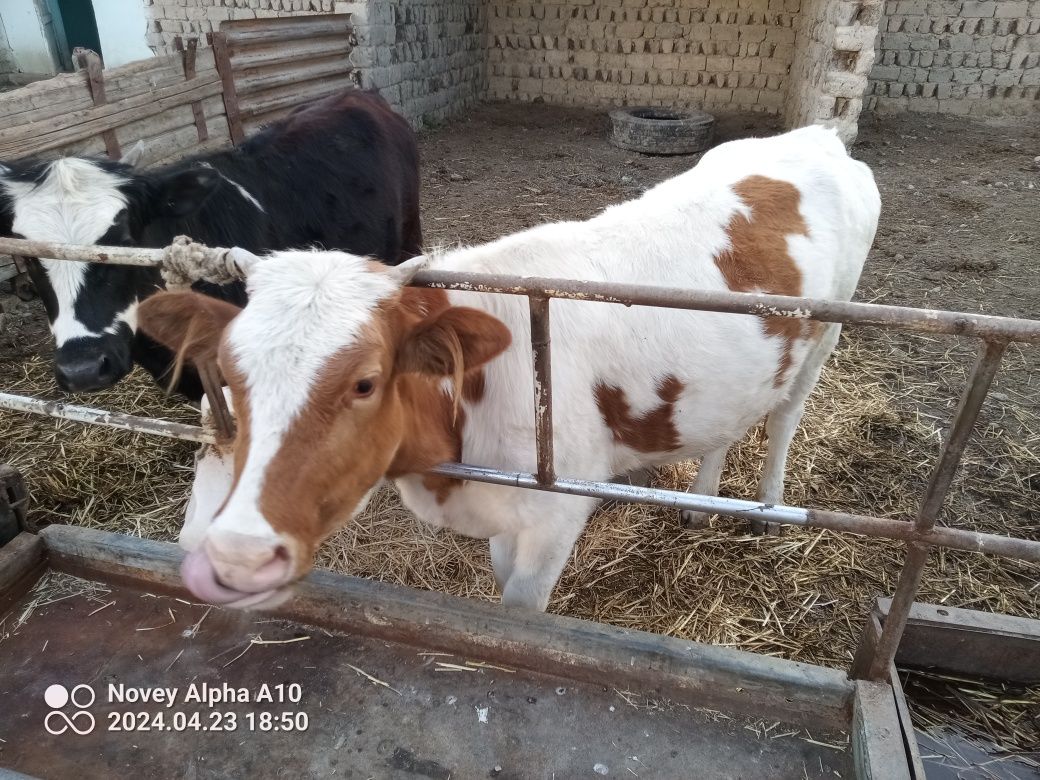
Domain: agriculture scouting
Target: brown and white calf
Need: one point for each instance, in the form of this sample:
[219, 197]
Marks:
[341, 378]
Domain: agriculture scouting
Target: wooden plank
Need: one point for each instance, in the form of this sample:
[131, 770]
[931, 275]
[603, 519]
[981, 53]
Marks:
[32, 138]
[287, 29]
[278, 53]
[22, 561]
[690, 673]
[91, 63]
[260, 80]
[877, 744]
[188, 55]
[965, 641]
[258, 104]
[227, 79]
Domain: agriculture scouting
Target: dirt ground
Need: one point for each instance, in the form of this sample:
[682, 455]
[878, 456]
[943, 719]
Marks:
[959, 230]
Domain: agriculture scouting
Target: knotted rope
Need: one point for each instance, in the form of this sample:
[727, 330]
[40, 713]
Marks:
[185, 262]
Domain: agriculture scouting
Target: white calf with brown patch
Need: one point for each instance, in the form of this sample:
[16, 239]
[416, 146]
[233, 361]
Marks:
[341, 377]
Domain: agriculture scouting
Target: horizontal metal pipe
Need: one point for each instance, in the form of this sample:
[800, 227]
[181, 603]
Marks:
[125, 422]
[1005, 546]
[848, 312]
[1008, 547]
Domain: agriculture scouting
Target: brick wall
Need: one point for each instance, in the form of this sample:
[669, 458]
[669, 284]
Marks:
[425, 56]
[187, 18]
[958, 57]
[711, 53]
[835, 54]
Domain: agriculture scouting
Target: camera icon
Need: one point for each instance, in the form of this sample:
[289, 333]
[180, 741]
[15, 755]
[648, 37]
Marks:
[57, 722]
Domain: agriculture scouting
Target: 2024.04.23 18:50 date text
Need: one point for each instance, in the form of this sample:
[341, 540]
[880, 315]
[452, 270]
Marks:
[210, 721]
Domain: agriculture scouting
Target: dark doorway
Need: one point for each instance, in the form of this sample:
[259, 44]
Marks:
[74, 26]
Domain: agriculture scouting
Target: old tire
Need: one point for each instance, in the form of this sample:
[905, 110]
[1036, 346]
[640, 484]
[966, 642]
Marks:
[653, 130]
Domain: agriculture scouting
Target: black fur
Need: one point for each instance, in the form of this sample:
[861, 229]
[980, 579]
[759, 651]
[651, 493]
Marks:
[339, 173]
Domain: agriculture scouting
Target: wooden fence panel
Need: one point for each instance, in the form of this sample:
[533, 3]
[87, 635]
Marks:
[270, 66]
[152, 100]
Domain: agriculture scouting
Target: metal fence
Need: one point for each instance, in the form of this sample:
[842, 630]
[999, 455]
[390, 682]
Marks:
[993, 333]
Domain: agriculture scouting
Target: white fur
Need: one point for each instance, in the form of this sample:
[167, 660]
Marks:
[214, 474]
[241, 190]
[76, 203]
[669, 237]
[293, 324]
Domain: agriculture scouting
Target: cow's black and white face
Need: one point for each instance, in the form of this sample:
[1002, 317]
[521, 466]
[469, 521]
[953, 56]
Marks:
[92, 307]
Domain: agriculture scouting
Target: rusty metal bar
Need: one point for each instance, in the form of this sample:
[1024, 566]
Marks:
[986, 366]
[900, 530]
[542, 356]
[848, 312]
[971, 541]
[125, 422]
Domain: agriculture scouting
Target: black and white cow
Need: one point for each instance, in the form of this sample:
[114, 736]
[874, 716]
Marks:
[338, 173]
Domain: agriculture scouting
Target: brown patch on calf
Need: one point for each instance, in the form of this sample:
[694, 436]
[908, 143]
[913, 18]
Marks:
[758, 259]
[655, 430]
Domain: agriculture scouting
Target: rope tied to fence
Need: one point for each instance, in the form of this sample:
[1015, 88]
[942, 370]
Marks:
[185, 262]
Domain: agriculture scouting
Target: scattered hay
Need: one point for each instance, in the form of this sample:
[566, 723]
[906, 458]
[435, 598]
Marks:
[50, 588]
[984, 713]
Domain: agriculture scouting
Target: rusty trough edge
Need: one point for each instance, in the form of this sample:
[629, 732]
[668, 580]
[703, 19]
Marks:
[848, 312]
[700, 675]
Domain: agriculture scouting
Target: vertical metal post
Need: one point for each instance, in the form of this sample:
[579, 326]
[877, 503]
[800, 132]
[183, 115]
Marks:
[543, 427]
[982, 374]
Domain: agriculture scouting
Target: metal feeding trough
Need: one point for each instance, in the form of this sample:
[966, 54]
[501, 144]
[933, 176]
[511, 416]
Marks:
[355, 678]
[653, 130]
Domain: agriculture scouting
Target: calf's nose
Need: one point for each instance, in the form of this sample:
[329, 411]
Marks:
[246, 563]
[85, 372]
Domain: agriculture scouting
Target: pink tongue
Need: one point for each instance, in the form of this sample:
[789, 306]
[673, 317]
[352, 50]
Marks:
[201, 579]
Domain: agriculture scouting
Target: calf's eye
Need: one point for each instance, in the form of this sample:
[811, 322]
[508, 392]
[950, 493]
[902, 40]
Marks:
[364, 388]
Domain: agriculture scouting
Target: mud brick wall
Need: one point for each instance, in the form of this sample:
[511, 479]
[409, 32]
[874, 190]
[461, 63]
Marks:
[195, 18]
[426, 57]
[712, 53]
[978, 57]
[834, 57]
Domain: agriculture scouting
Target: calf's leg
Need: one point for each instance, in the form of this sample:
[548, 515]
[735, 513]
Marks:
[503, 549]
[707, 483]
[783, 421]
[539, 552]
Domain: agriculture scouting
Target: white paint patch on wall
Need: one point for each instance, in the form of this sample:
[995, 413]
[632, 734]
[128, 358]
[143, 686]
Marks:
[122, 29]
[26, 37]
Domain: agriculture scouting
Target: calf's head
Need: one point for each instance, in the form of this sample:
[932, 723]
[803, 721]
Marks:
[336, 375]
[92, 307]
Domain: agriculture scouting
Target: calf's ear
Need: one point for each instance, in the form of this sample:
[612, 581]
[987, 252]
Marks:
[454, 341]
[188, 323]
[181, 194]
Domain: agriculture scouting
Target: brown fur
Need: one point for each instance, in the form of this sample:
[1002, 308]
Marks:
[653, 431]
[340, 444]
[758, 260]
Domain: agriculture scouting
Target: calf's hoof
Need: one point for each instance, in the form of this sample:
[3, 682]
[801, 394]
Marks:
[762, 528]
[693, 521]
